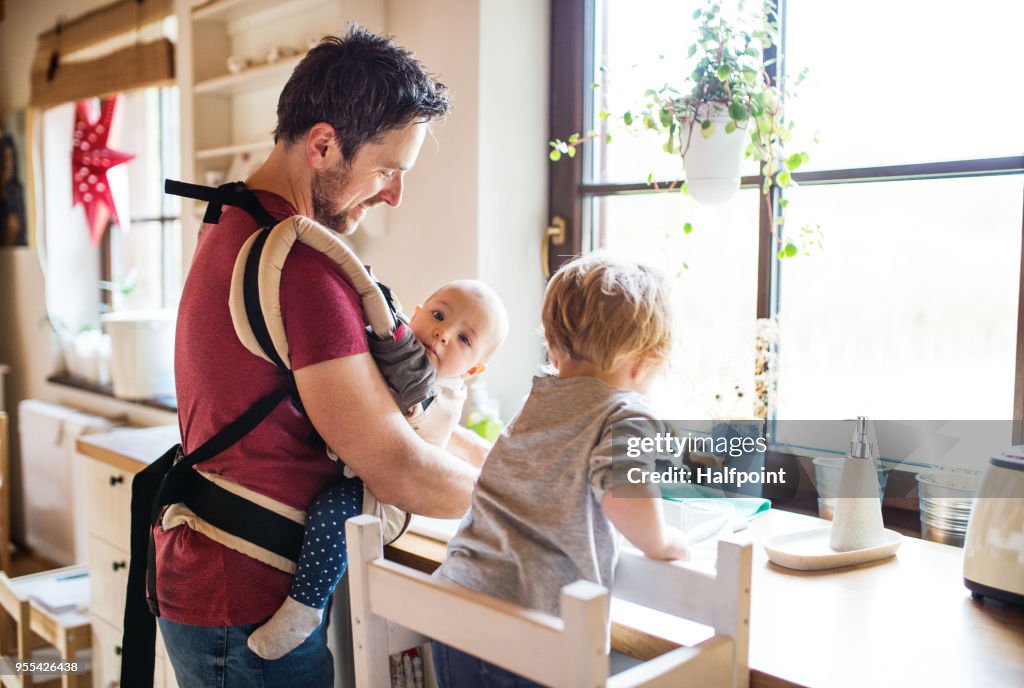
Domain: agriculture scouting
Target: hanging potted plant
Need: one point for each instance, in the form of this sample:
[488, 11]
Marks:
[726, 109]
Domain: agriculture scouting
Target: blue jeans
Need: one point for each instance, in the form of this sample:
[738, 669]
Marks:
[218, 657]
[456, 669]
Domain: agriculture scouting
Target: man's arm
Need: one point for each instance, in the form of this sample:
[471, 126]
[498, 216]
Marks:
[350, 406]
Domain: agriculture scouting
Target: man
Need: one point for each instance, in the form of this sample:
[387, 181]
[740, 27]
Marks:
[351, 121]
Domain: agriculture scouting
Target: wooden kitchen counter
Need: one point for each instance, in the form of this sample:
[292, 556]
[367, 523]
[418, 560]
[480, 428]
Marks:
[903, 621]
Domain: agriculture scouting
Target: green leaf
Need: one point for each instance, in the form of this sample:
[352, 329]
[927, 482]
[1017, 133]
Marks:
[707, 128]
[691, 51]
[784, 179]
[650, 93]
[794, 161]
[603, 114]
[555, 156]
[574, 138]
[665, 116]
[790, 249]
[737, 111]
[723, 73]
[591, 133]
[730, 127]
[687, 228]
[607, 138]
[683, 190]
[696, 14]
[572, 152]
[805, 158]
[650, 178]
[594, 84]
[783, 202]
[627, 118]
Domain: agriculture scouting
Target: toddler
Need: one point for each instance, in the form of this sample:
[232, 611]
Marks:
[544, 511]
[461, 325]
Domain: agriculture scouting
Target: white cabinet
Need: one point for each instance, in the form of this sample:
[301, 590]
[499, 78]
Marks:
[108, 501]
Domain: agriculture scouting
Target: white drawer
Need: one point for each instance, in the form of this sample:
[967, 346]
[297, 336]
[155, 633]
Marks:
[108, 576]
[106, 655]
[109, 499]
[106, 658]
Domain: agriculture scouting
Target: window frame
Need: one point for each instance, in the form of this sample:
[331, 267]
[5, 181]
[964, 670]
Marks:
[165, 219]
[570, 193]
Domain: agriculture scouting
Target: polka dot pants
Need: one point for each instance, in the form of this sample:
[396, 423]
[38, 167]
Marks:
[322, 559]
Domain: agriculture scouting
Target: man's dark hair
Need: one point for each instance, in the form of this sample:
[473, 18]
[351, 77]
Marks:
[361, 84]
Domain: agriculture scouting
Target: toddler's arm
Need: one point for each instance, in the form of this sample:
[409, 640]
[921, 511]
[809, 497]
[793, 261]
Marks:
[468, 445]
[635, 510]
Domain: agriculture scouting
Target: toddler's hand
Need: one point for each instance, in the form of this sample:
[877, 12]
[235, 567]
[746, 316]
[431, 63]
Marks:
[674, 545]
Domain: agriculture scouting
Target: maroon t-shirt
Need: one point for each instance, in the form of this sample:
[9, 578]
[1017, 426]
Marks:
[200, 582]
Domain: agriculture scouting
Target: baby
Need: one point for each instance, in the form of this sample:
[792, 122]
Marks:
[461, 325]
[545, 511]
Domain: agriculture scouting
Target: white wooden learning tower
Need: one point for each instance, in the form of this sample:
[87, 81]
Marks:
[395, 607]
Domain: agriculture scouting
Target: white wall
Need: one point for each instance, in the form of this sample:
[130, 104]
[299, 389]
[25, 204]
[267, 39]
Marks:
[513, 177]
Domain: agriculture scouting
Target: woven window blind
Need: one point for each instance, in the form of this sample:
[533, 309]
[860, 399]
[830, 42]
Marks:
[103, 52]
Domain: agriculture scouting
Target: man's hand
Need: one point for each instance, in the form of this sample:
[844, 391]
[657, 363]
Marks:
[350, 406]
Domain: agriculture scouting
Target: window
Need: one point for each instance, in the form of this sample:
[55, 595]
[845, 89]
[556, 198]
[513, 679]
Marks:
[911, 308]
[145, 254]
[135, 266]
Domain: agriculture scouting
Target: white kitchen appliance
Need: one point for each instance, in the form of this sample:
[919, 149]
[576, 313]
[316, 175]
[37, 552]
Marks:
[52, 483]
[994, 548]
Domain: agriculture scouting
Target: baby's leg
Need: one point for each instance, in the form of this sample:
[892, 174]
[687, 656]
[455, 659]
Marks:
[320, 567]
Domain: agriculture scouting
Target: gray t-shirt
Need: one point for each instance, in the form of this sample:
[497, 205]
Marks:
[536, 523]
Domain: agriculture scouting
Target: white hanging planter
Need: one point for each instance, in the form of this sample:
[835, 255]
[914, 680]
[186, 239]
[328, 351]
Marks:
[712, 163]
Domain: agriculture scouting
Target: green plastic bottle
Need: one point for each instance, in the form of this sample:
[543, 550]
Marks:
[484, 418]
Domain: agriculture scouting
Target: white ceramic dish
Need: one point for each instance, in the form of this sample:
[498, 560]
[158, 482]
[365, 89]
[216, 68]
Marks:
[808, 550]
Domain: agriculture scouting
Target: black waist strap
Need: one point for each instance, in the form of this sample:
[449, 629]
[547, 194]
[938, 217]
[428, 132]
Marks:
[238, 516]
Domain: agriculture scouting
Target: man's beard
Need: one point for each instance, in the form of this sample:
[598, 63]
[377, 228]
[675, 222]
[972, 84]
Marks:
[327, 186]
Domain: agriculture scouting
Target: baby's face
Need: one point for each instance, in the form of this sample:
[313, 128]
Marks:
[457, 329]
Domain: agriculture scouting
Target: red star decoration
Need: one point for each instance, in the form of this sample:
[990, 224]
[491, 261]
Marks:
[90, 162]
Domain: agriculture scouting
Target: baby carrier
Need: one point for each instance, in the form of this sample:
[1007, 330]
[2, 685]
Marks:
[170, 493]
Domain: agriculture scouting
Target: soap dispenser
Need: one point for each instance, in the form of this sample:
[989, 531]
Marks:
[857, 520]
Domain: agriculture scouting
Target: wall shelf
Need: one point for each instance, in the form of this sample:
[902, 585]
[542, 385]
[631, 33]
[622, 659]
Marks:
[249, 79]
[226, 151]
[246, 13]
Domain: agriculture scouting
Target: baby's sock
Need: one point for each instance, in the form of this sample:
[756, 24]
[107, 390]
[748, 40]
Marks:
[290, 625]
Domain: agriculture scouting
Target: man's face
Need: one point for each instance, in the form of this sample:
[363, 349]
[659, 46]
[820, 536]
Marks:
[341, 195]
[457, 330]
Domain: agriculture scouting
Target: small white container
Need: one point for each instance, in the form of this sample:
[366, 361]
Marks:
[700, 519]
[141, 353]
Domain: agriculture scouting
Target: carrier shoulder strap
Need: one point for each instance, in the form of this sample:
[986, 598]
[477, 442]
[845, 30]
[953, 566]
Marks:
[233, 193]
